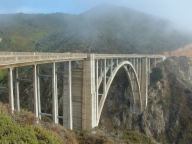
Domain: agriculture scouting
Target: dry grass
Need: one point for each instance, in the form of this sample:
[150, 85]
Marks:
[185, 51]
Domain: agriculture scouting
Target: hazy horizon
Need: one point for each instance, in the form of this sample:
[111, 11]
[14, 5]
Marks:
[176, 11]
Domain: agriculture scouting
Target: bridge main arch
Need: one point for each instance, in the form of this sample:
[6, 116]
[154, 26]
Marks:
[132, 77]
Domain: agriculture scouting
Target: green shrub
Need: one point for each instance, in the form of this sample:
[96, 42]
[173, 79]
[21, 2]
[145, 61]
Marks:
[46, 137]
[3, 74]
[24, 117]
[136, 138]
[13, 133]
[4, 109]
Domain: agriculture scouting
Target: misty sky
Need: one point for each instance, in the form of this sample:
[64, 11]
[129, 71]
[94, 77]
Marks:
[178, 11]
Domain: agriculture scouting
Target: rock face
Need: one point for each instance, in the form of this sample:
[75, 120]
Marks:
[117, 110]
[168, 116]
[155, 117]
[169, 113]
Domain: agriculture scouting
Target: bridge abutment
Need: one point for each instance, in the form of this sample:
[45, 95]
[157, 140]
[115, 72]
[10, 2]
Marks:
[89, 96]
[144, 82]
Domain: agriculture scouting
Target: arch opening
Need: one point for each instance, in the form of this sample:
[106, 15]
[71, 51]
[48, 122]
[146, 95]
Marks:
[132, 88]
[118, 104]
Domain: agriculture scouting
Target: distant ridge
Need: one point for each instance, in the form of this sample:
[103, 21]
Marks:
[103, 29]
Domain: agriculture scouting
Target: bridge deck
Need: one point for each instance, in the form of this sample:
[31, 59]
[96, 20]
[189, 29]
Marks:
[16, 59]
[109, 56]
[8, 59]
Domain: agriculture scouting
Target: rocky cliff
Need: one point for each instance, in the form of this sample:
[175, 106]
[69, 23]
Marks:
[167, 118]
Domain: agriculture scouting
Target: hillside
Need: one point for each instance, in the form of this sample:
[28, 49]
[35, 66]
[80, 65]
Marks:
[106, 29]
[21, 127]
[184, 51]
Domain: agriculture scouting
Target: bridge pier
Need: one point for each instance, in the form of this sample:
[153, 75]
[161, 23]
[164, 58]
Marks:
[134, 62]
[17, 89]
[11, 92]
[89, 97]
[97, 83]
[70, 97]
[35, 90]
[38, 92]
[67, 96]
[144, 81]
[111, 66]
[54, 94]
[136, 65]
[140, 70]
[149, 70]
[104, 78]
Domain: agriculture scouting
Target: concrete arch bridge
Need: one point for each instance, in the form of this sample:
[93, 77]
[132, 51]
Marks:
[86, 80]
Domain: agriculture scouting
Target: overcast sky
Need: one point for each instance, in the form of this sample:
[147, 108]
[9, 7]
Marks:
[178, 11]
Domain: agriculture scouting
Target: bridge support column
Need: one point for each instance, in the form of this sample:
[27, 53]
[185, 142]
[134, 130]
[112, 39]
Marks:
[149, 70]
[38, 92]
[137, 65]
[140, 70]
[17, 89]
[134, 62]
[155, 62]
[54, 94]
[147, 80]
[97, 83]
[70, 98]
[111, 66]
[67, 97]
[144, 82]
[89, 97]
[190, 72]
[11, 93]
[104, 77]
[35, 90]
[117, 62]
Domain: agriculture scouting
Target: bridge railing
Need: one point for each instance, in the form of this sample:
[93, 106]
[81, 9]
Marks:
[104, 56]
[14, 58]
[39, 53]
[24, 58]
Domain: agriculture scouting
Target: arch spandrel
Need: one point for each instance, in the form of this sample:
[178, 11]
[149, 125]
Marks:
[132, 77]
